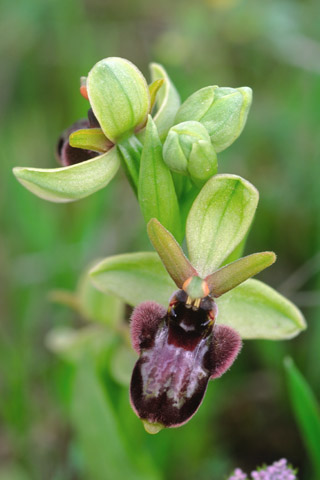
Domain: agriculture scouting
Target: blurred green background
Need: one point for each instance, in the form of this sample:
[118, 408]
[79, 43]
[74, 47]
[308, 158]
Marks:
[46, 45]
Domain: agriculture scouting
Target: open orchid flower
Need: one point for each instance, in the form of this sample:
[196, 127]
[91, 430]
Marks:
[92, 150]
[185, 338]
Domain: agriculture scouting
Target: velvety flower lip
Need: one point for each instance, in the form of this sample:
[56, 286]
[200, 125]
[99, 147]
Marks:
[180, 349]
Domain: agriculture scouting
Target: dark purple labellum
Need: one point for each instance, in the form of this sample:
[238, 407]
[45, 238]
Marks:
[180, 350]
[67, 155]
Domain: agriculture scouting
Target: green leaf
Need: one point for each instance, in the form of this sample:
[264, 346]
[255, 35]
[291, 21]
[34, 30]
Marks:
[167, 102]
[134, 277]
[119, 97]
[98, 431]
[218, 220]
[97, 306]
[71, 183]
[71, 344]
[307, 413]
[92, 304]
[90, 139]
[170, 252]
[156, 193]
[256, 310]
[228, 277]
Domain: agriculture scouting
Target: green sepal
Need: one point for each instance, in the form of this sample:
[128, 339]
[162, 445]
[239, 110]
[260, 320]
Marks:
[156, 193]
[256, 310]
[228, 277]
[119, 97]
[167, 101]
[90, 139]
[170, 252]
[71, 183]
[218, 220]
[134, 277]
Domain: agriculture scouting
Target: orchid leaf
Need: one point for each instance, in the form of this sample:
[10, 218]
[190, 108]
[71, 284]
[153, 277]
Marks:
[134, 277]
[90, 139]
[157, 195]
[100, 436]
[218, 220]
[307, 412]
[71, 183]
[228, 277]
[256, 310]
[170, 252]
[167, 101]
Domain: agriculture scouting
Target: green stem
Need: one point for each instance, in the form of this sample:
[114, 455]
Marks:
[130, 149]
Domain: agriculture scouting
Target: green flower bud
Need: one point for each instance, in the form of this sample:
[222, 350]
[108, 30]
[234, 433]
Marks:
[223, 111]
[119, 97]
[188, 150]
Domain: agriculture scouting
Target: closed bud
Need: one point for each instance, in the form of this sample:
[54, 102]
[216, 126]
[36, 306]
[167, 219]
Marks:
[119, 97]
[222, 111]
[188, 150]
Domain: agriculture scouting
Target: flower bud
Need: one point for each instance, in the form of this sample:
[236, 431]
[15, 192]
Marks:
[119, 97]
[188, 150]
[222, 111]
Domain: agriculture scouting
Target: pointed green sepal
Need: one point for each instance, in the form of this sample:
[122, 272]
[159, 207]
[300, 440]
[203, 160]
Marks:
[170, 252]
[218, 220]
[228, 277]
[134, 277]
[167, 101]
[156, 193]
[256, 310]
[71, 183]
[90, 139]
[119, 97]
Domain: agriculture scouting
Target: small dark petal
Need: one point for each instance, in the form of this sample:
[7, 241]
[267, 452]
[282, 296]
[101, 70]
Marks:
[145, 320]
[93, 122]
[226, 344]
[67, 155]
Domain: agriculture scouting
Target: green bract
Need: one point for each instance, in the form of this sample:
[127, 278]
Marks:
[156, 192]
[223, 111]
[119, 97]
[188, 150]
